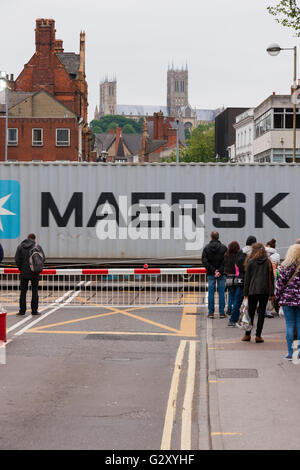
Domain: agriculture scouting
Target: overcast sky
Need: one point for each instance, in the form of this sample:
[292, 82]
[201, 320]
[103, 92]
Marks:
[222, 41]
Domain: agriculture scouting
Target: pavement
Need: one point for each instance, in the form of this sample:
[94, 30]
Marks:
[253, 391]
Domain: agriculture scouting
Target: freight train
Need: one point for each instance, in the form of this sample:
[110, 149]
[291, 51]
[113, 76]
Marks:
[162, 214]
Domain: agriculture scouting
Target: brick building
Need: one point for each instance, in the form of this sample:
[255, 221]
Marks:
[158, 140]
[39, 128]
[59, 114]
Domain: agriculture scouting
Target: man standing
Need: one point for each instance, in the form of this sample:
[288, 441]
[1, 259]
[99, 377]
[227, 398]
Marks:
[213, 261]
[26, 264]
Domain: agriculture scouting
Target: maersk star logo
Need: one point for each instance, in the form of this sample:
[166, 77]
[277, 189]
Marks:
[9, 209]
[4, 211]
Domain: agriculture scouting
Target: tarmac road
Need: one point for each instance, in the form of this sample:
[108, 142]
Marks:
[102, 378]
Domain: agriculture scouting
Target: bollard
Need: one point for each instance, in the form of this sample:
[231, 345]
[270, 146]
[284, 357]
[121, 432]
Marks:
[3, 326]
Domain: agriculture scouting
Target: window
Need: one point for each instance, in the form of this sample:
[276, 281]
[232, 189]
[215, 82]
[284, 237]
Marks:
[37, 137]
[62, 137]
[182, 86]
[12, 136]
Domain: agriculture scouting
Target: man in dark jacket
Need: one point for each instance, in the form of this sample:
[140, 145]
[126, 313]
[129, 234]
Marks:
[213, 261]
[1, 253]
[22, 261]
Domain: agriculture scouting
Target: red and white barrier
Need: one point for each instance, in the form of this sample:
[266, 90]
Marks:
[113, 286]
[110, 271]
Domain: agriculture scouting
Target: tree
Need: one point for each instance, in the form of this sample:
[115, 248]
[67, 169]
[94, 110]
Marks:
[105, 123]
[200, 146]
[287, 13]
[128, 129]
[112, 125]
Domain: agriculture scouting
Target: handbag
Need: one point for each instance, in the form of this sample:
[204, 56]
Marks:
[233, 280]
[244, 322]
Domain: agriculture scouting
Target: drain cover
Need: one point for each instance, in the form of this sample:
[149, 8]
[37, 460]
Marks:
[237, 373]
[126, 337]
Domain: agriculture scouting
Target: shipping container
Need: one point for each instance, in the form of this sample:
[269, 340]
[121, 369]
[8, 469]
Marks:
[160, 213]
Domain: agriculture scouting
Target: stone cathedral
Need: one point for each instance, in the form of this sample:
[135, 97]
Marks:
[177, 105]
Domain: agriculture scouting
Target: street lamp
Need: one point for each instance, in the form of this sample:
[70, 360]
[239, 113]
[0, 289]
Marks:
[274, 50]
[177, 138]
[4, 86]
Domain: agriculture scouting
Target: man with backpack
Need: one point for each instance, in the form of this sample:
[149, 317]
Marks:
[30, 260]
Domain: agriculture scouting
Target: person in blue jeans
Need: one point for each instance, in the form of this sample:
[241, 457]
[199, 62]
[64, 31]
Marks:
[288, 296]
[213, 260]
[234, 269]
[218, 280]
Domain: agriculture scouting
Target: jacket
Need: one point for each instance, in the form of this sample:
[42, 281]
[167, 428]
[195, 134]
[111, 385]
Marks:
[230, 261]
[288, 294]
[213, 257]
[1, 253]
[259, 277]
[22, 258]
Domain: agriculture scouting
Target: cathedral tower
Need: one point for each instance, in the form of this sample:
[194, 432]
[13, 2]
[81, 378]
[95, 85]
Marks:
[177, 90]
[108, 97]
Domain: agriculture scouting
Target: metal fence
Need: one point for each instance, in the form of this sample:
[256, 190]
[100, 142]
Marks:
[112, 287]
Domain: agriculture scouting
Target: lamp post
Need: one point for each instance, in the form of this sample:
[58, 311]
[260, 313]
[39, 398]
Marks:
[177, 138]
[4, 86]
[274, 50]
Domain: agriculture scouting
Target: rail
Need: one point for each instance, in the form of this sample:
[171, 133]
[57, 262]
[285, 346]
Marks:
[112, 287]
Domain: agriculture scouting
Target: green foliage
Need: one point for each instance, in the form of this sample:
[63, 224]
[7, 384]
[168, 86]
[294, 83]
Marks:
[105, 123]
[199, 148]
[187, 133]
[128, 129]
[287, 13]
[112, 125]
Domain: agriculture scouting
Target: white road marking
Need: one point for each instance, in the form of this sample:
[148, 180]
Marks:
[186, 424]
[171, 407]
[30, 325]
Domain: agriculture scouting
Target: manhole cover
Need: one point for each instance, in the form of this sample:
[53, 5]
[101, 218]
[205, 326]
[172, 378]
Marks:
[237, 373]
[126, 337]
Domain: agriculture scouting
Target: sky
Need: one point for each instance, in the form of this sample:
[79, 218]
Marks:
[223, 43]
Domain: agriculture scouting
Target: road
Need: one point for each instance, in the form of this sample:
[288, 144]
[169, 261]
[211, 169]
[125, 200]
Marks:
[102, 378]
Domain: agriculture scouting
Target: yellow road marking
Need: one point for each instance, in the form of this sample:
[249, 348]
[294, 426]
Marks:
[73, 321]
[116, 333]
[146, 320]
[226, 434]
[188, 322]
[171, 406]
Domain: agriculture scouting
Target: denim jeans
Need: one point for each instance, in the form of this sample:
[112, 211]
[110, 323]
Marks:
[230, 300]
[212, 281]
[237, 295]
[292, 320]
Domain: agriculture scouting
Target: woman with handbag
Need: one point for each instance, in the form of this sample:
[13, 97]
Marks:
[234, 269]
[288, 295]
[258, 287]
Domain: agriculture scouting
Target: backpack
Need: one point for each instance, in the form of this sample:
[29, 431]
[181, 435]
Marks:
[36, 260]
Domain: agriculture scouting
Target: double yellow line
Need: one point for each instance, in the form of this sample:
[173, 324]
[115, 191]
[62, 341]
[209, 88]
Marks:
[187, 408]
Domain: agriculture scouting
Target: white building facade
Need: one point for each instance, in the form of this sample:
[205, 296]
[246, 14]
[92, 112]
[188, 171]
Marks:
[244, 135]
[273, 130]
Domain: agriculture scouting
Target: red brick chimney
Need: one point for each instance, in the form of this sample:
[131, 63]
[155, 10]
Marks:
[58, 46]
[158, 126]
[44, 36]
[43, 76]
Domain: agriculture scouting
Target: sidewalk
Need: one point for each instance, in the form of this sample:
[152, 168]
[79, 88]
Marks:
[254, 393]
